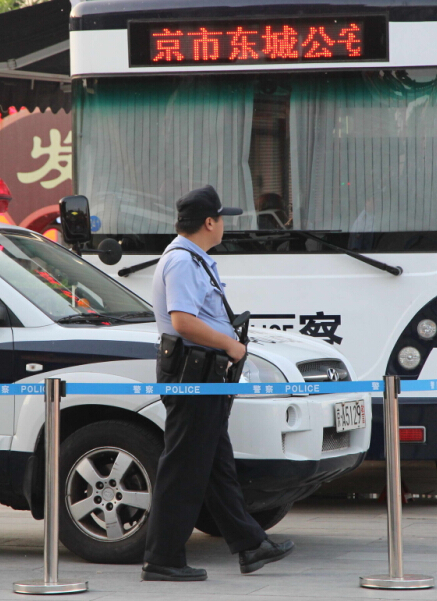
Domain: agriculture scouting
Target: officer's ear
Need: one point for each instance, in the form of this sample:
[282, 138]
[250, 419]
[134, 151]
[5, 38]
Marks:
[209, 223]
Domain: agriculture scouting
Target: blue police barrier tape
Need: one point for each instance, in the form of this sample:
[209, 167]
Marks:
[215, 389]
[220, 389]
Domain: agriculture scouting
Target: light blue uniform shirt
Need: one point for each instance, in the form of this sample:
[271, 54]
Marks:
[181, 283]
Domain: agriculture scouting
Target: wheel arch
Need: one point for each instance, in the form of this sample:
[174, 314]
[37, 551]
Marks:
[72, 419]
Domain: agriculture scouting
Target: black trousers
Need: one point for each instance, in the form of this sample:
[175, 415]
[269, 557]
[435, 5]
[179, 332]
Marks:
[197, 465]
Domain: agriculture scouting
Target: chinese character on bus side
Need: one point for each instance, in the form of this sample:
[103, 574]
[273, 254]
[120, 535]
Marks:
[351, 41]
[59, 159]
[241, 47]
[321, 326]
[206, 48]
[319, 40]
[169, 46]
[281, 43]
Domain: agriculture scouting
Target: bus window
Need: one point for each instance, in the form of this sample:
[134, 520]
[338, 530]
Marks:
[337, 149]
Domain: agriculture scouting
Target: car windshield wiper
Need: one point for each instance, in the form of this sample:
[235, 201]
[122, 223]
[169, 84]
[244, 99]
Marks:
[142, 315]
[89, 318]
[285, 235]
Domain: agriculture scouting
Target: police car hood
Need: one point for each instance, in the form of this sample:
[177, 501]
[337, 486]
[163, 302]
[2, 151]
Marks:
[286, 350]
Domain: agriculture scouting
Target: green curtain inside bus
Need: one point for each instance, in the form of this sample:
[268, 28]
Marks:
[143, 143]
[363, 151]
[347, 151]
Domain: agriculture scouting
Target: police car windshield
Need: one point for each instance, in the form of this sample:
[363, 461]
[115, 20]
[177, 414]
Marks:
[62, 284]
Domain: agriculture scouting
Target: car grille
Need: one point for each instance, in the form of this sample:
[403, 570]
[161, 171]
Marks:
[318, 370]
[333, 440]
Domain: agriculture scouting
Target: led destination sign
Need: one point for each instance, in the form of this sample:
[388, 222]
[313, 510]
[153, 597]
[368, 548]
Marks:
[248, 41]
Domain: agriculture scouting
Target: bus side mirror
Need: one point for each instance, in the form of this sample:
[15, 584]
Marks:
[75, 219]
[109, 251]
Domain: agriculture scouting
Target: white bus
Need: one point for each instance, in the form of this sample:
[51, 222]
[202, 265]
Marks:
[320, 122]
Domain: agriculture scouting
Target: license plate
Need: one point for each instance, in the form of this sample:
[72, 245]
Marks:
[350, 415]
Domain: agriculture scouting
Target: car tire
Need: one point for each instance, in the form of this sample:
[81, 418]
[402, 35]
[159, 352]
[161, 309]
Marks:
[266, 518]
[107, 474]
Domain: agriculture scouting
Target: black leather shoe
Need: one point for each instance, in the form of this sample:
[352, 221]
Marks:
[187, 574]
[268, 551]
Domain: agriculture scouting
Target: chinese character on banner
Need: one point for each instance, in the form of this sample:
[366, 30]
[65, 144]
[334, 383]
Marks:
[280, 44]
[269, 389]
[137, 389]
[206, 48]
[351, 41]
[257, 389]
[149, 389]
[375, 385]
[5, 389]
[59, 159]
[241, 47]
[321, 326]
[319, 40]
[169, 46]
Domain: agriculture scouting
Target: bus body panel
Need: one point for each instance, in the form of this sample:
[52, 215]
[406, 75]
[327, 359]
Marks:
[368, 313]
[105, 52]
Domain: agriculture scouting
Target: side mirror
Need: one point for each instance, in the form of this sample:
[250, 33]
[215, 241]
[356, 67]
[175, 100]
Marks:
[109, 251]
[75, 219]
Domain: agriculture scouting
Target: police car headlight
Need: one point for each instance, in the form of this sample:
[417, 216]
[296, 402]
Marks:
[409, 357]
[257, 370]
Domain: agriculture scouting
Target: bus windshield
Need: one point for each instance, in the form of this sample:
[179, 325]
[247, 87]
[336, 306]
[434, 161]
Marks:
[347, 152]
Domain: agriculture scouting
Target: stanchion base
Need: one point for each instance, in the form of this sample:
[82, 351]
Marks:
[387, 581]
[39, 587]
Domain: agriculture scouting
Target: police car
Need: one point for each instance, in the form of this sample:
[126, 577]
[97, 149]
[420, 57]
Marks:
[61, 317]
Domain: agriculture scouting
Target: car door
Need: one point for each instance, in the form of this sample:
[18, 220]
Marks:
[6, 398]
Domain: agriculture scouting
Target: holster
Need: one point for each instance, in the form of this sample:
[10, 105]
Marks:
[235, 371]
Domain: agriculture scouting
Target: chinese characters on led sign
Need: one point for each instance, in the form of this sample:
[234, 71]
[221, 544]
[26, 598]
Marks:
[251, 42]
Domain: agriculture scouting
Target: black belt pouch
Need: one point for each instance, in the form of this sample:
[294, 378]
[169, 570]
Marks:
[217, 367]
[194, 365]
[172, 351]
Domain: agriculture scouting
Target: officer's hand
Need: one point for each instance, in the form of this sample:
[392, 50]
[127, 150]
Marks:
[236, 350]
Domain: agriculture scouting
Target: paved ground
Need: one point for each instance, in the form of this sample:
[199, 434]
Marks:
[336, 542]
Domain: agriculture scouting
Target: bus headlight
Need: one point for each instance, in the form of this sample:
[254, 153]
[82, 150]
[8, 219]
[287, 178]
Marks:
[257, 370]
[409, 357]
[427, 329]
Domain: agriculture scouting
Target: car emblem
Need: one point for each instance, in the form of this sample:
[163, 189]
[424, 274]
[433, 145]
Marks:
[333, 375]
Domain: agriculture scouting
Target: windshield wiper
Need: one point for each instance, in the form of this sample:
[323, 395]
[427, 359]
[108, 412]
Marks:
[285, 235]
[137, 315]
[89, 318]
[355, 255]
[127, 270]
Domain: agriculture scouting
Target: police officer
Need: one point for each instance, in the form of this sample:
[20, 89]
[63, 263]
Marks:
[197, 464]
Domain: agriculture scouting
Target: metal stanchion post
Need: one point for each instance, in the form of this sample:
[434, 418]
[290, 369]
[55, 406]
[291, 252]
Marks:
[396, 578]
[50, 584]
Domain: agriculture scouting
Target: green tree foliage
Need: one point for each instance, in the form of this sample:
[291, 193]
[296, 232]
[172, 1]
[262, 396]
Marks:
[7, 5]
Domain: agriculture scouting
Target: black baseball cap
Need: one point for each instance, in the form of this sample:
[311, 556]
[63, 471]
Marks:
[202, 203]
